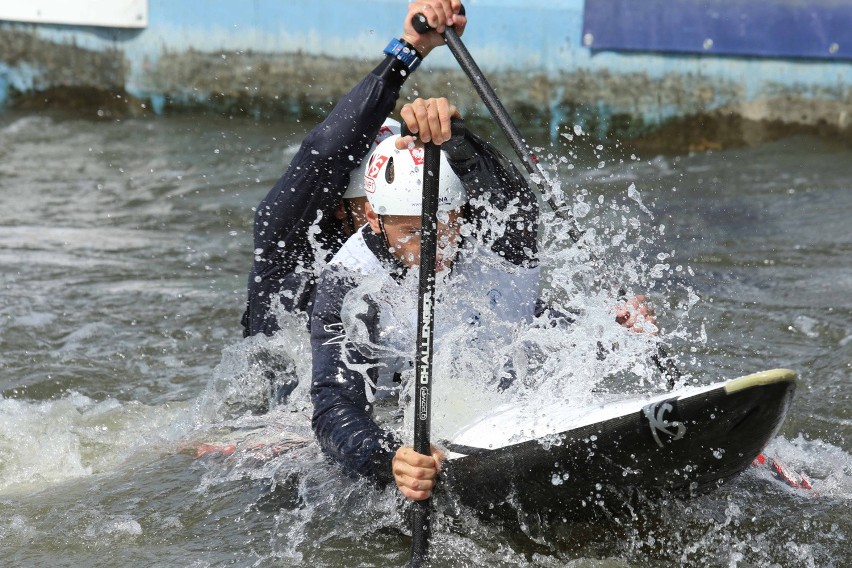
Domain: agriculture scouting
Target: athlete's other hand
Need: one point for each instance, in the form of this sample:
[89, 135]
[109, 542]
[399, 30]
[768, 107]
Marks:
[439, 14]
[429, 119]
[637, 315]
[416, 474]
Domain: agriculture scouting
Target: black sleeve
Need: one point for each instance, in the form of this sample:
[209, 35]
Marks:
[342, 415]
[310, 189]
[487, 173]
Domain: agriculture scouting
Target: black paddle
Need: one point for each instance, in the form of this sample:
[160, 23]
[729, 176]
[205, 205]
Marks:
[500, 114]
[516, 140]
[420, 525]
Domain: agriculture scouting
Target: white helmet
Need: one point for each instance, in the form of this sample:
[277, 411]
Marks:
[394, 181]
[356, 177]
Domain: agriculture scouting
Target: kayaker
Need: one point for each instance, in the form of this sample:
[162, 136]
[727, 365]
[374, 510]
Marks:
[362, 329]
[362, 326]
[315, 205]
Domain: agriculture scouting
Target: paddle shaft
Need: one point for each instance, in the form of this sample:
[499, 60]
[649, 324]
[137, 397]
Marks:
[662, 359]
[501, 115]
[420, 525]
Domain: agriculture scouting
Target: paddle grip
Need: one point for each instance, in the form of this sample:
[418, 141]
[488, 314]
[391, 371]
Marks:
[457, 128]
[421, 24]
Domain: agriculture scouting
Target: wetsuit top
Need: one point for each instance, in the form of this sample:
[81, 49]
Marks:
[361, 335]
[295, 232]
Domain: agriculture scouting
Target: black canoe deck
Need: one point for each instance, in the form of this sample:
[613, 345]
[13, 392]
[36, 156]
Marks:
[681, 444]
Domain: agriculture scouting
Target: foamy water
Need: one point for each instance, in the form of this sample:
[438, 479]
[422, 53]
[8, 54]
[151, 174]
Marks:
[124, 248]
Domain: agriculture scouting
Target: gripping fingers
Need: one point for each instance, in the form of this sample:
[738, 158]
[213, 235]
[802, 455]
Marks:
[433, 116]
[414, 473]
[415, 489]
[413, 114]
[416, 117]
[410, 120]
[637, 315]
[434, 14]
[445, 111]
[443, 12]
[438, 15]
[430, 119]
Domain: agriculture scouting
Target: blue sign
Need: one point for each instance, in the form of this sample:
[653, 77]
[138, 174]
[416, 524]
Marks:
[819, 29]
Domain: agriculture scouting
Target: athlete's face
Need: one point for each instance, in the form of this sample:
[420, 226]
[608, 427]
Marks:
[403, 233]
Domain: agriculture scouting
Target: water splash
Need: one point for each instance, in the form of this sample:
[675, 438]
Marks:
[52, 442]
[634, 194]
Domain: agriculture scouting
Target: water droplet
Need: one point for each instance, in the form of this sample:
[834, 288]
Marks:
[581, 209]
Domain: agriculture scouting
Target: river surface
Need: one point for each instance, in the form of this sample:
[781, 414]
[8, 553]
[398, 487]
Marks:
[124, 249]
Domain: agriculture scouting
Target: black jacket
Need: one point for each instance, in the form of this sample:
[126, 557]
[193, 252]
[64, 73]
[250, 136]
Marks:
[295, 224]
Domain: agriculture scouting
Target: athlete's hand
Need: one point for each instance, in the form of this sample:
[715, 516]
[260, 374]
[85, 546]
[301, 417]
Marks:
[439, 14]
[637, 315]
[430, 120]
[416, 474]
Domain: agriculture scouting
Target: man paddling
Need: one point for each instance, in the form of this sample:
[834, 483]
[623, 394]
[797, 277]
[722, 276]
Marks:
[362, 324]
[361, 335]
[319, 201]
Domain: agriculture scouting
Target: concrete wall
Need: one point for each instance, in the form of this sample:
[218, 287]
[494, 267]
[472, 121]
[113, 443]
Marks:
[267, 58]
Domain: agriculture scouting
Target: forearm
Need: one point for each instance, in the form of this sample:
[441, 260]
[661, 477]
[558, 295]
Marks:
[347, 132]
[319, 173]
[342, 418]
[348, 435]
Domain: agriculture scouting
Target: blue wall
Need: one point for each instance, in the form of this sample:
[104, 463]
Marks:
[644, 63]
[820, 29]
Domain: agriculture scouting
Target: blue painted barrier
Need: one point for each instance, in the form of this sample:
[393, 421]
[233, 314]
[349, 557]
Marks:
[640, 68]
[820, 29]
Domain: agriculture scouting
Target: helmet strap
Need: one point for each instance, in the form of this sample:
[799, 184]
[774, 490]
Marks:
[384, 233]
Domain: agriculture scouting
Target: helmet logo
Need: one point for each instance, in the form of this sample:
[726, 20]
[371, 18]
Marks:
[373, 169]
[384, 132]
[417, 155]
[375, 166]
